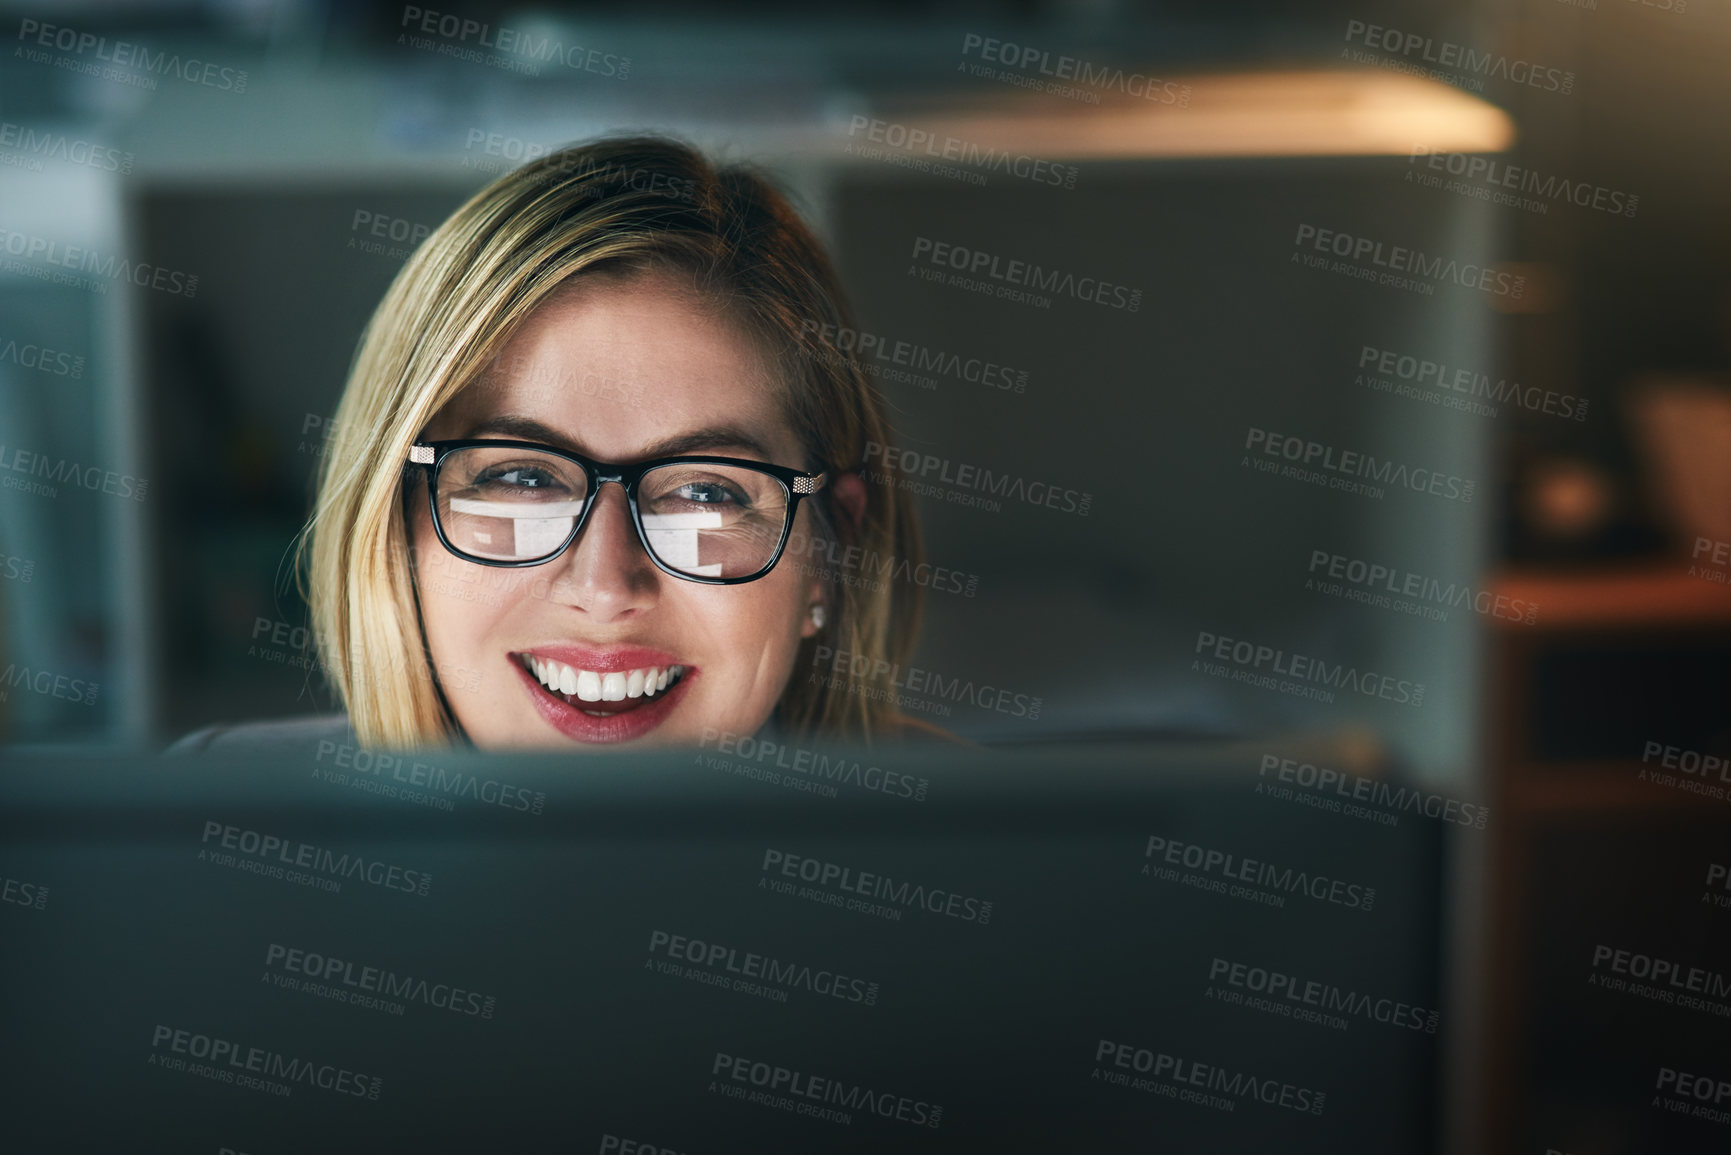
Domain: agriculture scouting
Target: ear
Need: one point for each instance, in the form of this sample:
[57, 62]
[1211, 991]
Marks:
[850, 497]
[849, 493]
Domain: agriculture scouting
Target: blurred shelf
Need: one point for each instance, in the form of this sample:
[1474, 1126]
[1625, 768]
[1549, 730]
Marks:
[1646, 595]
[1616, 659]
[1594, 787]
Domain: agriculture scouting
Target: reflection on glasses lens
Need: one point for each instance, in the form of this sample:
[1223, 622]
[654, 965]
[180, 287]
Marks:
[704, 520]
[509, 504]
[712, 520]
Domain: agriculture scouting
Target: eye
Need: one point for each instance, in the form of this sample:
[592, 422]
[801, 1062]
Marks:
[708, 493]
[710, 489]
[516, 477]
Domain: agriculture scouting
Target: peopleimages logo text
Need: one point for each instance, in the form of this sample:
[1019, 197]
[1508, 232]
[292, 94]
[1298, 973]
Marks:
[47, 682]
[1502, 175]
[36, 145]
[1027, 58]
[918, 680]
[751, 965]
[227, 1057]
[922, 144]
[1207, 860]
[784, 1082]
[1353, 463]
[449, 783]
[978, 263]
[1372, 583]
[31, 894]
[42, 359]
[128, 55]
[1700, 1088]
[93, 477]
[815, 763]
[903, 893]
[382, 981]
[839, 342]
[1305, 669]
[102, 268]
[1410, 262]
[530, 47]
[1448, 54]
[912, 464]
[1234, 1087]
[1327, 997]
[1669, 973]
[1473, 382]
[270, 847]
[1355, 787]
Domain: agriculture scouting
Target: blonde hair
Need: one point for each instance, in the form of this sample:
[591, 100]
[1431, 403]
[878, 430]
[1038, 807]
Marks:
[620, 205]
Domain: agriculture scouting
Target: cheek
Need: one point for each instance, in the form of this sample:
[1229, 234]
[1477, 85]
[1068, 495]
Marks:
[767, 619]
[749, 632]
[460, 602]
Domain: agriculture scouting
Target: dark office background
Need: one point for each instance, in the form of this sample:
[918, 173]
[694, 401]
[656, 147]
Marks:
[216, 400]
[179, 608]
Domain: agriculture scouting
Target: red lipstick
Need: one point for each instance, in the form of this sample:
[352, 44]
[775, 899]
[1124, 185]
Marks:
[603, 722]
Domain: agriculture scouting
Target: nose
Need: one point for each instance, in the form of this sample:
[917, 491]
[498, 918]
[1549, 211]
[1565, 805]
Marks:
[605, 574]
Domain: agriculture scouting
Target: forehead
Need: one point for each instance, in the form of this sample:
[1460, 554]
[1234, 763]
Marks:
[618, 365]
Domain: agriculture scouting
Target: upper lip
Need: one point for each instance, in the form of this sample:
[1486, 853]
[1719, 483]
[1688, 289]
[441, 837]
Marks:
[603, 659]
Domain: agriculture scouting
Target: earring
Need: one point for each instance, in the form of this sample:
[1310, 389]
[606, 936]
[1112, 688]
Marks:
[817, 616]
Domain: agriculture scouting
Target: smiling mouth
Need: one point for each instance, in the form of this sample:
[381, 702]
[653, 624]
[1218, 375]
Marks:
[601, 695]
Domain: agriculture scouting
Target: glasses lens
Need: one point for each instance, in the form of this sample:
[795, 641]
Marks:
[720, 521]
[509, 504]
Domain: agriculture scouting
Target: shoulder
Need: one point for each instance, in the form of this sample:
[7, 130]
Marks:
[901, 728]
[285, 735]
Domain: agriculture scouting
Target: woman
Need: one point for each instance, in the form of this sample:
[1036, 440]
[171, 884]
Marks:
[594, 480]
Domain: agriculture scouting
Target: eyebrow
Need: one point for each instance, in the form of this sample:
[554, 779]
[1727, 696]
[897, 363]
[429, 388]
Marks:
[697, 441]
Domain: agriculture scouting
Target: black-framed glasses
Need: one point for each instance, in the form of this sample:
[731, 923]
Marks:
[717, 520]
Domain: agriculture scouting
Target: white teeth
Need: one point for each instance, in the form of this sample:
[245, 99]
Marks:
[592, 686]
[588, 686]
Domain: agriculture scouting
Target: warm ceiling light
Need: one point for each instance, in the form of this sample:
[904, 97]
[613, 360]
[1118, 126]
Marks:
[1267, 114]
